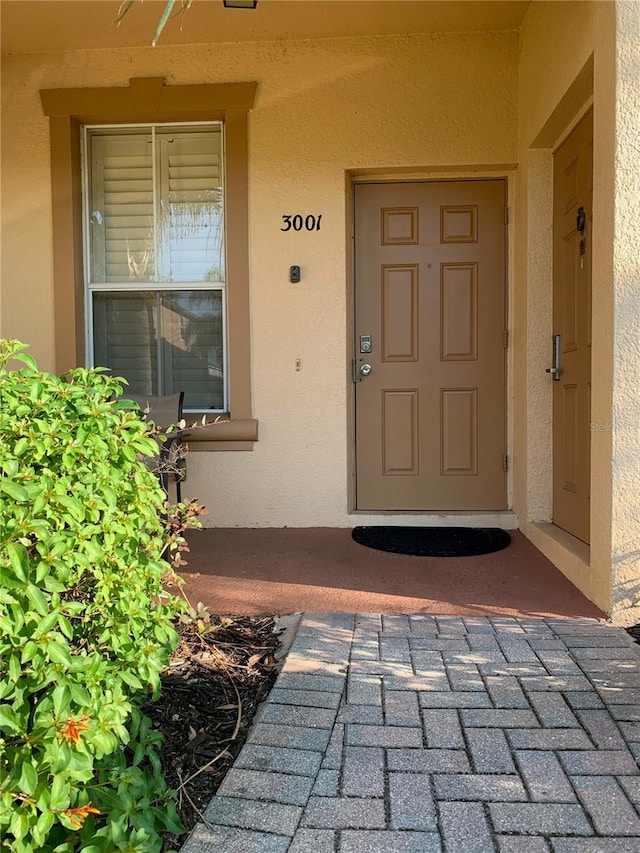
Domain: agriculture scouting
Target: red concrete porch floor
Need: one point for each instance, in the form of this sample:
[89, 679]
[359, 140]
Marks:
[249, 571]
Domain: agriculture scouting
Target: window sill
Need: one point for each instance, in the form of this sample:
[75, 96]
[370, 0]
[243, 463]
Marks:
[226, 434]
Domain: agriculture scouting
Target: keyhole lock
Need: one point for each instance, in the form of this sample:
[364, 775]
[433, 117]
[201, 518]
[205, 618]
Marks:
[581, 220]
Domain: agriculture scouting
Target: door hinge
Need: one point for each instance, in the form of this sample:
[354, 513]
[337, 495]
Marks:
[505, 339]
[506, 215]
[505, 462]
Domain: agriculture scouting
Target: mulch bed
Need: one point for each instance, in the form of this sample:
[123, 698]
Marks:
[222, 670]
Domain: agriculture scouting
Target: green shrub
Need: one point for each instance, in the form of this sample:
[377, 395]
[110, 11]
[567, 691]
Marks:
[84, 622]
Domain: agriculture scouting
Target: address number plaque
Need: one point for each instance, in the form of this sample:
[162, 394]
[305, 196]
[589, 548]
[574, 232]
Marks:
[298, 222]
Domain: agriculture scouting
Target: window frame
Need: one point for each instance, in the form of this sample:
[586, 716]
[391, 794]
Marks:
[150, 101]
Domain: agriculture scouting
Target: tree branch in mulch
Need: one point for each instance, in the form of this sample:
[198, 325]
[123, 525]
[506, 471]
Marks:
[222, 670]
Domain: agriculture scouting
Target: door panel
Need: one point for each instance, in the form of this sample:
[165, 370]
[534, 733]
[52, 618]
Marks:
[400, 432]
[573, 190]
[430, 291]
[400, 313]
[459, 431]
[459, 312]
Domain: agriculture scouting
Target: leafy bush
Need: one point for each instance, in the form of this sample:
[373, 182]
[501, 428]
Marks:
[84, 621]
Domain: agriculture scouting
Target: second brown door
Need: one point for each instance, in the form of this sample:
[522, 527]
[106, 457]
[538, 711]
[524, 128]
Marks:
[430, 325]
[572, 231]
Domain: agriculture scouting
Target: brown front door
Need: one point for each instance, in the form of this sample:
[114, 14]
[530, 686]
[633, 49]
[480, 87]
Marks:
[572, 206]
[430, 308]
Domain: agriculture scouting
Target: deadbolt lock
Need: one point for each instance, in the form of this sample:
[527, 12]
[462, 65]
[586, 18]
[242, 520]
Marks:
[365, 343]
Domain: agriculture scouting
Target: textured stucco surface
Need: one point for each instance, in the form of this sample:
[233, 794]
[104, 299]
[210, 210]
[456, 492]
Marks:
[625, 435]
[537, 171]
[564, 48]
[26, 310]
[323, 108]
[556, 42]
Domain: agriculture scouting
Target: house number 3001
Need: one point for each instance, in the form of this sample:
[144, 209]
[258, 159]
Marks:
[301, 223]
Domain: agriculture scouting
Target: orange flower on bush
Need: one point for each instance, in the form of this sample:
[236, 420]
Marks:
[71, 729]
[78, 815]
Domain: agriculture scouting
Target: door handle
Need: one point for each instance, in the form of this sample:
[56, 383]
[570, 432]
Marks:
[556, 369]
[359, 370]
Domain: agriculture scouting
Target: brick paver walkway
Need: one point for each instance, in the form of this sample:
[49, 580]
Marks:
[430, 734]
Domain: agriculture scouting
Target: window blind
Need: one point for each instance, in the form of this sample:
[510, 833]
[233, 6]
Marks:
[190, 194]
[125, 337]
[168, 203]
[121, 209]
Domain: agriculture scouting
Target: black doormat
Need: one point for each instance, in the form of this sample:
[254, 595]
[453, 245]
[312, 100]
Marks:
[634, 631]
[433, 541]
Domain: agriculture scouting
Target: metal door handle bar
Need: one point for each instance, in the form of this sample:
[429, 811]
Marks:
[556, 370]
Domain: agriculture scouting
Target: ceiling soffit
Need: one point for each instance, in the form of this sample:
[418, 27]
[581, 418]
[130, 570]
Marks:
[41, 26]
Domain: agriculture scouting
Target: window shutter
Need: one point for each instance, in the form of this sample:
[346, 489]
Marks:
[121, 208]
[191, 211]
[125, 337]
[193, 346]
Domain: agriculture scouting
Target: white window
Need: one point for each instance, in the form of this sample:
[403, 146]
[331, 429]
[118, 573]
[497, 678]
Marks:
[155, 259]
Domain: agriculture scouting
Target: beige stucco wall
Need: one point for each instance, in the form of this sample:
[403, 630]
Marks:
[571, 54]
[556, 43]
[323, 108]
[625, 437]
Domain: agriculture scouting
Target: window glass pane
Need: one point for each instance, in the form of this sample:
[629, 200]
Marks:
[125, 338]
[164, 342]
[192, 325]
[120, 220]
[190, 215]
[156, 214]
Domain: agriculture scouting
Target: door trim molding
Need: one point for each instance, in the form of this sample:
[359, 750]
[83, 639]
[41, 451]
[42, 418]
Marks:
[571, 126]
[425, 174]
